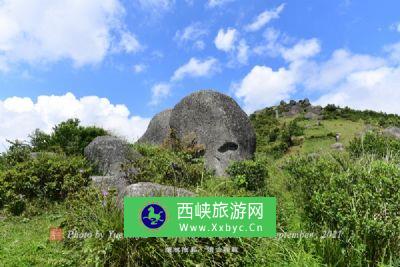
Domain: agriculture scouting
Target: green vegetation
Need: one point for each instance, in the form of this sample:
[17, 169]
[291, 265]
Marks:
[348, 200]
[67, 137]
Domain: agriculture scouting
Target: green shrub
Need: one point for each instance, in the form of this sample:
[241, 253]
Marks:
[17, 152]
[374, 144]
[163, 165]
[368, 116]
[249, 174]
[68, 137]
[357, 198]
[48, 176]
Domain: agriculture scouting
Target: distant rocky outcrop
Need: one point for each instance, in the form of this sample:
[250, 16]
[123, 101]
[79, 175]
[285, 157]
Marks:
[146, 189]
[295, 108]
[219, 124]
[392, 132]
[158, 129]
[109, 154]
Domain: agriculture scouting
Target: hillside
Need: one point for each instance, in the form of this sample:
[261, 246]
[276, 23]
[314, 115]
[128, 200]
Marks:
[296, 149]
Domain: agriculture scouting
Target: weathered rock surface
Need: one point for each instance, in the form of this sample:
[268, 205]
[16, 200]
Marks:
[392, 132]
[106, 183]
[337, 146]
[219, 124]
[109, 153]
[158, 129]
[146, 189]
[312, 116]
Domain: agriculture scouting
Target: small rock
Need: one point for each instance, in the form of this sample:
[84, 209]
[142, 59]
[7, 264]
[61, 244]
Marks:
[337, 146]
[392, 132]
[147, 189]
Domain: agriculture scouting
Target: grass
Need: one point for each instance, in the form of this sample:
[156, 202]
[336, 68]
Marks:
[24, 241]
[317, 139]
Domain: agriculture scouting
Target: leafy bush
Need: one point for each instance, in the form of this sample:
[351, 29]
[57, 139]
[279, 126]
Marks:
[48, 176]
[372, 117]
[374, 144]
[357, 198]
[67, 137]
[249, 174]
[163, 165]
[18, 152]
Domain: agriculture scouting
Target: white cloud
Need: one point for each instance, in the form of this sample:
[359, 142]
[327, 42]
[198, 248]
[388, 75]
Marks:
[377, 89]
[138, 68]
[225, 40]
[19, 117]
[217, 3]
[243, 52]
[262, 19]
[129, 43]
[394, 51]
[327, 75]
[192, 33]
[45, 31]
[395, 27]
[159, 91]
[156, 5]
[360, 81]
[264, 87]
[302, 50]
[196, 68]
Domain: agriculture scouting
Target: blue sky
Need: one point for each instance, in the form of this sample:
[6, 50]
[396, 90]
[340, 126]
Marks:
[138, 57]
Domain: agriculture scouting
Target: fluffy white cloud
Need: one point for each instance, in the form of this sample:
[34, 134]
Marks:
[225, 40]
[45, 31]
[328, 74]
[264, 87]
[262, 19]
[377, 89]
[346, 79]
[21, 116]
[192, 33]
[302, 50]
[196, 68]
[216, 3]
[158, 92]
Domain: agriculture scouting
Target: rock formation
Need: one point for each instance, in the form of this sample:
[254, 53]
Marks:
[219, 124]
[158, 129]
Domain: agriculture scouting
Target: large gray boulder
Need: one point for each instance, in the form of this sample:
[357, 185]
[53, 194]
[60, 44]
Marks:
[218, 123]
[109, 154]
[392, 132]
[146, 189]
[158, 129]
